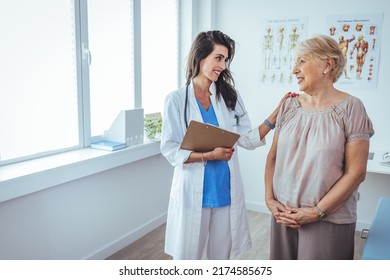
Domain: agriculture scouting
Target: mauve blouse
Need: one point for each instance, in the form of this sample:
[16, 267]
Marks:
[310, 153]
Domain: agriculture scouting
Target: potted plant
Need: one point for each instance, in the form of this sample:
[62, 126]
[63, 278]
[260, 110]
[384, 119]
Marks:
[153, 124]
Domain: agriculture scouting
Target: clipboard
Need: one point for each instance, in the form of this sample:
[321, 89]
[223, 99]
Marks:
[201, 137]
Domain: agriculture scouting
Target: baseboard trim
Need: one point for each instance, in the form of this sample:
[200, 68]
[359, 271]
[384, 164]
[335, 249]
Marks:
[116, 245]
[257, 207]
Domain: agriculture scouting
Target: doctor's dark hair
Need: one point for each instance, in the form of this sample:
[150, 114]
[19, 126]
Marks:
[202, 46]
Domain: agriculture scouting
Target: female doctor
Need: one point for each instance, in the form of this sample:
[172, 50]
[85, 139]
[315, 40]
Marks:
[207, 202]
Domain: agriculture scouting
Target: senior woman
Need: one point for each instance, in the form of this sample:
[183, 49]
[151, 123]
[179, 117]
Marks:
[317, 160]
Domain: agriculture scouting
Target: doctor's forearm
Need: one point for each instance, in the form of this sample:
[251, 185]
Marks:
[265, 128]
[272, 117]
[196, 157]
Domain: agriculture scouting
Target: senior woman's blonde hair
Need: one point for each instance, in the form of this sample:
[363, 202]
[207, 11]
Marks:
[321, 48]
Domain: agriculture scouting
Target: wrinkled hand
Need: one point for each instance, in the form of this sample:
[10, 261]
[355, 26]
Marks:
[274, 206]
[299, 216]
[281, 213]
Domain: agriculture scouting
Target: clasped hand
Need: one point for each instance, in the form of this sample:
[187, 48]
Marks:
[289, 216]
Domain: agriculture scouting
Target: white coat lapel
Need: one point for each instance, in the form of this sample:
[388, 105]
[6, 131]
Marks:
[218, 109]
[194, 112]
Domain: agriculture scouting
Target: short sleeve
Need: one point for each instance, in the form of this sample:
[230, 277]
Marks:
[358, 125]
[286, 111]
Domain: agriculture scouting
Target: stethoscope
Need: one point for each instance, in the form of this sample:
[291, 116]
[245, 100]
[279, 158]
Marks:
[185, 107]
[236, 116]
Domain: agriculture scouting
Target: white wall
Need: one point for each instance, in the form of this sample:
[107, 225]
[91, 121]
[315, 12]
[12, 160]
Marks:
[88, 218]
[242, 21]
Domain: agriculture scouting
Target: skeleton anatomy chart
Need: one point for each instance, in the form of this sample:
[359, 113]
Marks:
[359, 38]
[278, 38]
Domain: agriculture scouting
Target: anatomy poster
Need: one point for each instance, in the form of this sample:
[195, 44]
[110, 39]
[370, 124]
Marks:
[278, 39]
[359, 38]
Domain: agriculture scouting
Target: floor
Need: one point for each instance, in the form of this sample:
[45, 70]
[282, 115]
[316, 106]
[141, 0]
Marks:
[151, 246]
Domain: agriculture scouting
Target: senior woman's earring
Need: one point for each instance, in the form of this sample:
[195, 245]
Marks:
[324, 72]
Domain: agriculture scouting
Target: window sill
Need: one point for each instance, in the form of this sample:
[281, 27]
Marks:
[31, 176]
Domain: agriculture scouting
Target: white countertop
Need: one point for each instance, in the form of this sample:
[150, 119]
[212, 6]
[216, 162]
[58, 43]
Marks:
[374, 165]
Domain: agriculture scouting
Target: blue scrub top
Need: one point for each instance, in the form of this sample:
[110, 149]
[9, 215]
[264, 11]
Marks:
[216, 184]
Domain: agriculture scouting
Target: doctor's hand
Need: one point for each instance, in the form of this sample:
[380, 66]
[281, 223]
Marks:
[286, 96]
[220, 154]
[272, 118]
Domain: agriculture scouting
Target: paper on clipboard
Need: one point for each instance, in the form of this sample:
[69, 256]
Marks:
[201, 137]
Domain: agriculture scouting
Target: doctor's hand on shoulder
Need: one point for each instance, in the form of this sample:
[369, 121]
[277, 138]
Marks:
[274, 114]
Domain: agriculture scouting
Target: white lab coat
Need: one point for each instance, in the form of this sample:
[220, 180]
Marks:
[185, 205]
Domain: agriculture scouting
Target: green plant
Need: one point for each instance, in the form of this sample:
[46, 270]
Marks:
[153, 127]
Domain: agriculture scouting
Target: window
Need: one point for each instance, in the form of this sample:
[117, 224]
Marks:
[111, 70]
[70, 66]
[159, 52]
[39, 101]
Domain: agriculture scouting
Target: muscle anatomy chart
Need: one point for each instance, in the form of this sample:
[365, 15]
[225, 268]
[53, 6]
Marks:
[359, 38]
